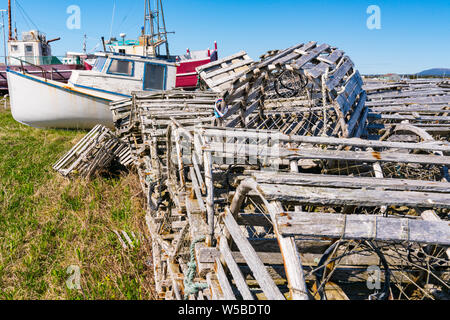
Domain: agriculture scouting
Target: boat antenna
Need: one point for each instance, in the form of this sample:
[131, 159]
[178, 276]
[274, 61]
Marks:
[4, 35]
[25, 15]
[112, 19]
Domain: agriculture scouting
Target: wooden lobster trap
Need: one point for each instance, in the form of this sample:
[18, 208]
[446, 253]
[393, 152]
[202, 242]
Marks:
[223, 157]
[316, 82]
[421, 103]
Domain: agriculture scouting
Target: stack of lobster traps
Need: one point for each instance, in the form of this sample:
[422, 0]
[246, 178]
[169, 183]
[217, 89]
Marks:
[271, 184]
[274, 212]
[424, 104]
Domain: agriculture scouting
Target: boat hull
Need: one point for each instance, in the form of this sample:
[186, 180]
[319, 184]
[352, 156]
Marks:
[41, 103]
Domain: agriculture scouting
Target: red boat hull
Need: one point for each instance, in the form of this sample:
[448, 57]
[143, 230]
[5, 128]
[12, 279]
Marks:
[187, 77]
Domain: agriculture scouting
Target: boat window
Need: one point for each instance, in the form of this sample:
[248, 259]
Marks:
[121, 67]
[99, 64]
[28, 50]
[154, 78]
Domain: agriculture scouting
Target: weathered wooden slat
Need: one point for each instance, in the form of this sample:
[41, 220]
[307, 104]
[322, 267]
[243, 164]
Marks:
[405, 94]
[339, 74]
[431, 215]
[214, 287]
[228, 69]
[424, 100]
[291, 259]
[354, 142]
[221, 81]
[364, 227]
[309, 260]
[348, 274]
[310, 55]
[402, 117]
[264, 280]
[411, 108]
[224, 283]
[356, 113]
[347, 98]
[234, 270]
[316, 180]
[197, 190]
[331, 58]
[362, 124]
[357, 197]
[318, 70]
[287, 55]
[254, 152]
[220, 61]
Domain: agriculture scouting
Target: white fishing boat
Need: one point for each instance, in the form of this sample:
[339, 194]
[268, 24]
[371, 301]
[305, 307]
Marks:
[84, 101]
[42, 103]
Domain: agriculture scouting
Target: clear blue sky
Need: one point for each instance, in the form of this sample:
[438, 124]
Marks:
[414, 35]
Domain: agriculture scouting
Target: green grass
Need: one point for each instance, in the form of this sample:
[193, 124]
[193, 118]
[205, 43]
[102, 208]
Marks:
[48, 223]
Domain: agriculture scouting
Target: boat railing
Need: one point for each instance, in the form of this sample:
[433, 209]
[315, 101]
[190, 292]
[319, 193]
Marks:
[44, 72]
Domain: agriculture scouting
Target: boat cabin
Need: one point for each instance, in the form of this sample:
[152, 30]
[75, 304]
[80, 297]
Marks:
[123, 74]
[187, 77]
[33, 48]
[134, 47]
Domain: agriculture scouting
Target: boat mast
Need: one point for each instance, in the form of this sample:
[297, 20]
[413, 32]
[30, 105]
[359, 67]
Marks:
[157, 27]
[164, 28]
[10, 20]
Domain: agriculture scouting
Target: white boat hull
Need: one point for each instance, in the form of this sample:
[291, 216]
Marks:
[41, 103]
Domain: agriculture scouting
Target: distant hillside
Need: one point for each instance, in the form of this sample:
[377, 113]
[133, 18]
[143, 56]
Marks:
[436, 72]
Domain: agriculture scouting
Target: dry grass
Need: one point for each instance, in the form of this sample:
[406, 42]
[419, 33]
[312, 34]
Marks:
[48, 223]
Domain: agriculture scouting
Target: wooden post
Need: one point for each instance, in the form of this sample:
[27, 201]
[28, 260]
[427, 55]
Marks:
[10, 20]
